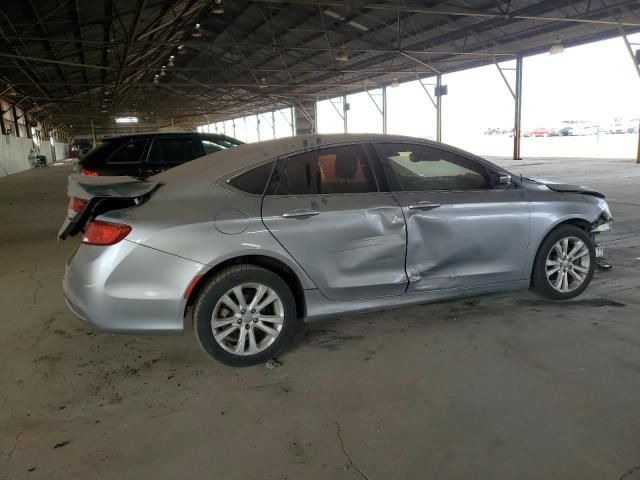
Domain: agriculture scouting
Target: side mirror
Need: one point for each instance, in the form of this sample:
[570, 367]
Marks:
[498, 179]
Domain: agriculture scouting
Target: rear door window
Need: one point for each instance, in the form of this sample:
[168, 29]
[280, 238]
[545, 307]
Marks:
[333, 170]
[130, 152]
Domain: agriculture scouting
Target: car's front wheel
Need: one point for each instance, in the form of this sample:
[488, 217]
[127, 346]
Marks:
[564, 264]
[244, 315]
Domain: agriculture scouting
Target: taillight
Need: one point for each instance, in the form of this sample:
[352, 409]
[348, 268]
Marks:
[88, 172]
[105, 233]
[75, 206]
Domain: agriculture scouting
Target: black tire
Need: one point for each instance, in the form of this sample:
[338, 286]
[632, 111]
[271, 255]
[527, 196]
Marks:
[541, 284]
[216, 288]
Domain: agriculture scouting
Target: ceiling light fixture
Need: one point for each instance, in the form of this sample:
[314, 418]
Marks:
[126, 119]
[395, 83]
[181, 50]
[337, 16]
[342, 56]
[556, 48]
[196, 31]
[217, 7]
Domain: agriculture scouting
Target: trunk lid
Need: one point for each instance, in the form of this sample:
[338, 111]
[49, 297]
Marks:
[92, 196]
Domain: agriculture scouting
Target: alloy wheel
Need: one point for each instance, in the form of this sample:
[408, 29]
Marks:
[247, 319]
[567, 264]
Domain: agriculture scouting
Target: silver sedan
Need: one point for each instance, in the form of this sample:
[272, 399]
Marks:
[247, 243]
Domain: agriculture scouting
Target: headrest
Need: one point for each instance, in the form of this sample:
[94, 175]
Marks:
[346, 165]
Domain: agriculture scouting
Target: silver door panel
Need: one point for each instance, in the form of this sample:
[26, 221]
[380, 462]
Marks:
[351, 246]
[465, 238]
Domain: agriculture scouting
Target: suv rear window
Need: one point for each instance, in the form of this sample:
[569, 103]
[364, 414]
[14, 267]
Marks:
[174, 150]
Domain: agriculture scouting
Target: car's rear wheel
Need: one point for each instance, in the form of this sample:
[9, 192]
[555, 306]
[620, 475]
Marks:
[564, 264]
[244, 315]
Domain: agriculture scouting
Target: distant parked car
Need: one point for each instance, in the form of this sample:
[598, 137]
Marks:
[632, 128]
[584, 130]
[554, 132]
[618, 128]
[566, 131]
[142, 155]
[540, 132]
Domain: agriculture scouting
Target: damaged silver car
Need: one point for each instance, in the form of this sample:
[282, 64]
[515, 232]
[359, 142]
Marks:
[247, 243]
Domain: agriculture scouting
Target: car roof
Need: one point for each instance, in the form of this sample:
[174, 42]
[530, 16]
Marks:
[239, 158]
[169, 135]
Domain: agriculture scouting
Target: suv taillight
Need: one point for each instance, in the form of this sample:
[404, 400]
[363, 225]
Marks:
[105, 233]
[89, 173]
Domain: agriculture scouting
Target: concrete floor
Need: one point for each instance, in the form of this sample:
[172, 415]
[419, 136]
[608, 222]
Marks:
[503, 387]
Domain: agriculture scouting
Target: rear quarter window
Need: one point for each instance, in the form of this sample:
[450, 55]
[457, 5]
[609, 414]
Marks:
[254, 181]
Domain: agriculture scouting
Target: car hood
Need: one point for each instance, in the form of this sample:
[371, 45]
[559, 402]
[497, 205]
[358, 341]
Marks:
[565, 187]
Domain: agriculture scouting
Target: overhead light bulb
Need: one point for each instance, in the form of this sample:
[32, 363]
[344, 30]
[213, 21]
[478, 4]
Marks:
[170, 63]
[556, 48]
[395, 83]
[342, 56]
[181, 50]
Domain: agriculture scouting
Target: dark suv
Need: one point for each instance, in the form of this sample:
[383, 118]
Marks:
[145, 154]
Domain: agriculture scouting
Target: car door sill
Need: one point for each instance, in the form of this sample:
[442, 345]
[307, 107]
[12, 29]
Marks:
[319, 307]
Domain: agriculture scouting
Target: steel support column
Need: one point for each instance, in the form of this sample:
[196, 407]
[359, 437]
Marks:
[384, 109]
[637, 65]
[439, 108]
[345, 108]
[518, 110]
[26, 123]
[15, 120]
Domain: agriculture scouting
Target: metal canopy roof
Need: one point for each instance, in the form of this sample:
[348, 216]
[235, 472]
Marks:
[78, 61]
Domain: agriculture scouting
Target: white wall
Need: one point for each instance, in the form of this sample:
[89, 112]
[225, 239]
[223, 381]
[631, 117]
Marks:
[14, 153]
[61, 151]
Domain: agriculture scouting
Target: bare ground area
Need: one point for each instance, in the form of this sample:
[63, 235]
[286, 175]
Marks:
[504, 386]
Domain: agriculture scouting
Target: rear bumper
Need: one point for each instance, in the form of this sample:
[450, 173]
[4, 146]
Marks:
[128, 288]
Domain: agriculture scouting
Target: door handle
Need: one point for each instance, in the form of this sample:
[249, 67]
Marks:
[300, 213]
[423, 206]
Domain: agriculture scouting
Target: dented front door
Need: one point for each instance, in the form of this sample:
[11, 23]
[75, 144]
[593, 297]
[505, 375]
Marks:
[460, 239]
